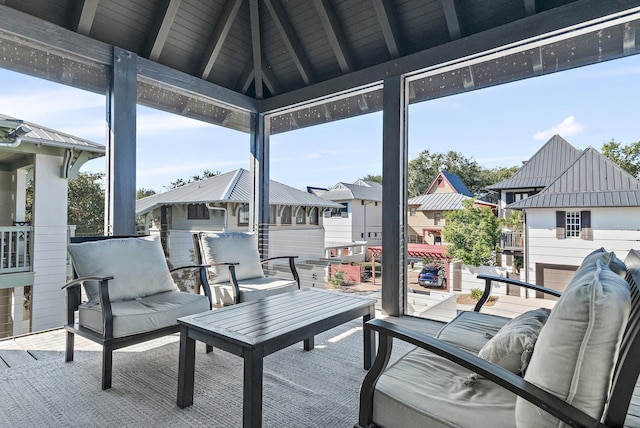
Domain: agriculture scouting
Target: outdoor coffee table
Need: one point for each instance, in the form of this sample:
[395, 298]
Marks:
[255, 329]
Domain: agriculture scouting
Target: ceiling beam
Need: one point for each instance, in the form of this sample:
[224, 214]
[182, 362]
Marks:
[551, 22]
[291, 40]
[337, 40]
[629, 39]
[254, 14]
[529, 7]
[163, 21]
[85, 14]
[388, 25]
[270, 80]
[452, 15]
[228, 15]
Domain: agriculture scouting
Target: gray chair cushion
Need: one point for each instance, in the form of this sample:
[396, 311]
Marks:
[471, 330]
[424, 390]
[251, 289]
[145, 314]
[511, 348]
[231, 247]
[577, 348]
[138, 267]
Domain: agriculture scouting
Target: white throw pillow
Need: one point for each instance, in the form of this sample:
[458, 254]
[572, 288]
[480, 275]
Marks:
[512, 347]
[138, 266]
[577, 348]
[231, 247]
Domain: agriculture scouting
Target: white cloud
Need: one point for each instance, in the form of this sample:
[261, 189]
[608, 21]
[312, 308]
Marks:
[566, 128]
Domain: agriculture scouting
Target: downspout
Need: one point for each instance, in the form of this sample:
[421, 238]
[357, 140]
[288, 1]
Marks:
[15, 143]
[526, 248]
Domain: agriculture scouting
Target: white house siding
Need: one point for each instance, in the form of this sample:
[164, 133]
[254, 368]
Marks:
[616, 229]
[339, 229]
[373, 232]
[49, 243]
[6, 203]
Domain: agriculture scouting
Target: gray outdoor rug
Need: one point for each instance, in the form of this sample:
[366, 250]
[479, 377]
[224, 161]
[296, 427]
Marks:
[301, 389]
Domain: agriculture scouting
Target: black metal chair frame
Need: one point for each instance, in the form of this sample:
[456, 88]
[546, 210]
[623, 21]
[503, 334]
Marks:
[73, 298]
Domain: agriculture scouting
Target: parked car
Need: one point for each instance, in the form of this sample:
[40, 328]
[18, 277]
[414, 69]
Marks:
[432, 276]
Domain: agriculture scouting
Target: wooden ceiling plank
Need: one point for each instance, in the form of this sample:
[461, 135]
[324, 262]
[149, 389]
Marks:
[229, 13]
[85, 14]
[163, 21]
[389, 26]
[254, 14]
[337, 41]
[452, 15]
[291, 40]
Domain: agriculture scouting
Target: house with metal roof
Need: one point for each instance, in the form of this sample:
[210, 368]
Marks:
[426, 212]
[33, 237]
[222, 202]
[357, 224]
[593, 203]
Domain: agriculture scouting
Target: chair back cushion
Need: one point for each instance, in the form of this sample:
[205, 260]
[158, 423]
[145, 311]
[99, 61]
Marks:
[138, 266]
[231, 247]
[576, 351]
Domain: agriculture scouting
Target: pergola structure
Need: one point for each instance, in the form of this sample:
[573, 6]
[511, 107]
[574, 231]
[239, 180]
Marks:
[270, 66]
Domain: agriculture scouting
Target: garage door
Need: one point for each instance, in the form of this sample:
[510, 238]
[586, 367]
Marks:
[556, 277]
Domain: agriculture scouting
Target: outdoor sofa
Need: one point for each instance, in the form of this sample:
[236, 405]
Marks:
[575, 366]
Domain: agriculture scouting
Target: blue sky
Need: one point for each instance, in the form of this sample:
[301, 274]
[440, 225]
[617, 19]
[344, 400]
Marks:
[499, 126]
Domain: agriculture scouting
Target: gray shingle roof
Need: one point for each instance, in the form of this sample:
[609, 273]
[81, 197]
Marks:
[543, 167]
[234, 186]
[591, 180]
[50, 137]
[361, 189]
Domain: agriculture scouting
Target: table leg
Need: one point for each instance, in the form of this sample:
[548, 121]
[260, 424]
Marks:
[369, 340]
[252, 389]
[186, 369]
[309, 343]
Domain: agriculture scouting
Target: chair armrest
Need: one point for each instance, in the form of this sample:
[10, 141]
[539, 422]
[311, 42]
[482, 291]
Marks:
[488, 279]
[73, 301]
[387, 331]
[80, 281]
[292, 266]
[202, 276]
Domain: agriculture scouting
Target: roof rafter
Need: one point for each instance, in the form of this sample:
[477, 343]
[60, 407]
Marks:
[228, 15]
[338, 43]
[85, 14]
[246, 77]
[163, 21]
[254, 14]
[269, 78]
[389, 26]
[290, 40]
[452, 15]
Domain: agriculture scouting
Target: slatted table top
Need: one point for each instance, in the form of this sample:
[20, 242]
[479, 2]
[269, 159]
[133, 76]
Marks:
[257, 323]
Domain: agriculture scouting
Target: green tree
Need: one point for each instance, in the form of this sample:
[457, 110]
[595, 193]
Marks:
[143, 193]
[423, 170]
[86, 203]
[182, 182]
[627, 157]
[472, 234]
[374, 178]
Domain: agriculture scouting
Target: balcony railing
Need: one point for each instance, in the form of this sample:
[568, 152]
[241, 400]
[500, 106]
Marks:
[511, 240]
[15, 248]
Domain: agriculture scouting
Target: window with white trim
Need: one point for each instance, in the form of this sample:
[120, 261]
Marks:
[301, 215]
[573, 224]
[243, 215]
[285, 218]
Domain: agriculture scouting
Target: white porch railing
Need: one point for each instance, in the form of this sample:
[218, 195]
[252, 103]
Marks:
[15, 247]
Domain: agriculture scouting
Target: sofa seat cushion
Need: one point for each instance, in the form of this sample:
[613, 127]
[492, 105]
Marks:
[577, 348]
[145, 314]
[471, 330]
[231, 247]
[251, 289]
[138, 267]
[424, 390]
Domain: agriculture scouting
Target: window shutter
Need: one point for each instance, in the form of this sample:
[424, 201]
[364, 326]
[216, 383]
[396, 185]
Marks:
[585, 226]
[561, 223]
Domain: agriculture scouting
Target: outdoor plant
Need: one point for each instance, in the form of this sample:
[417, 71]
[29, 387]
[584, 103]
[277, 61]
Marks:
[339, 279]
[476, 293]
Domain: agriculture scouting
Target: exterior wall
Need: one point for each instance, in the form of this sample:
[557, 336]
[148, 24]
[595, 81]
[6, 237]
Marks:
[424, 219]
[369, 229]
[49, 243]
[615, 229]
[339, 229]
[6, 204]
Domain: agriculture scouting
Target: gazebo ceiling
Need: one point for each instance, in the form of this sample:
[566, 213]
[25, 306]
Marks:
[219, 60]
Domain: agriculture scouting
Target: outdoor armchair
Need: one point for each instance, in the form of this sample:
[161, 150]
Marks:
[579, 370]
[235, 270]
[130, 295]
